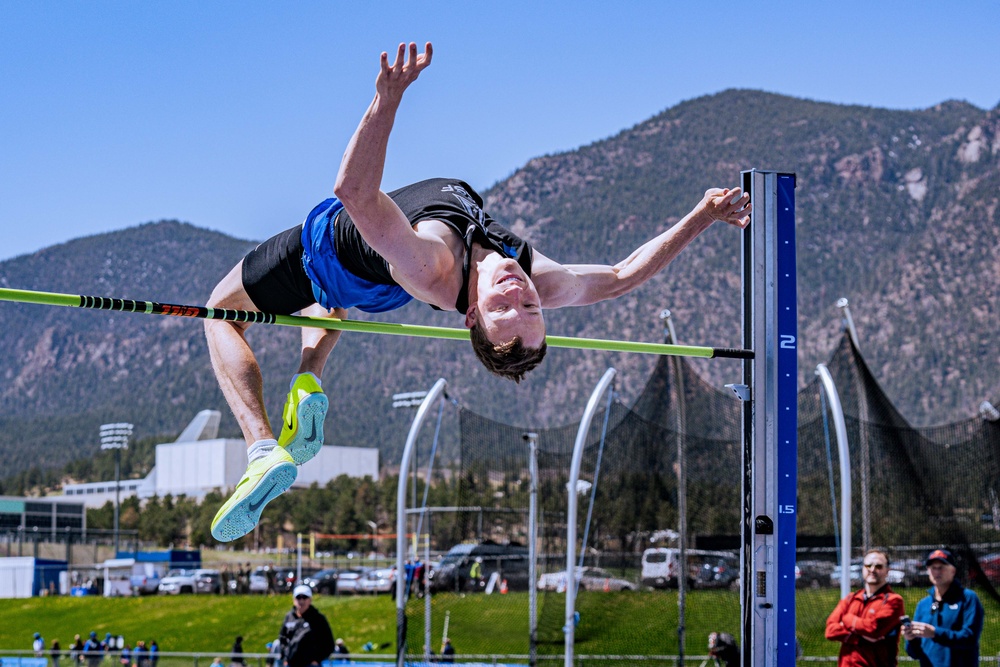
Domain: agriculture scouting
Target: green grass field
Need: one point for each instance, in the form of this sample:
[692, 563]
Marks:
[611, 623]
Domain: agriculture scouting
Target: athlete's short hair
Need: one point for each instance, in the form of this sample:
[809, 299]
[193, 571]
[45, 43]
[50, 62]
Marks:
[511, 360]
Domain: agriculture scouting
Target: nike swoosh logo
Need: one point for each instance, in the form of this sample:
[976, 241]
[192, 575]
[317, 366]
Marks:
[312, 436]
[253, 507]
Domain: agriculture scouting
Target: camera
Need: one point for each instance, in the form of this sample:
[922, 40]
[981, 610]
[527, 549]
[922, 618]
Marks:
[905, 620]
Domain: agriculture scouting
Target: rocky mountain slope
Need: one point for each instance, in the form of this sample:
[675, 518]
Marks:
[896, 210]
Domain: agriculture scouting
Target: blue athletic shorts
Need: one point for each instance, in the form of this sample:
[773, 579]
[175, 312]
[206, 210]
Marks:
[332, 284]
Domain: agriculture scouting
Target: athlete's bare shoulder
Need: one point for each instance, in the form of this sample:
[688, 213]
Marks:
[437, 277]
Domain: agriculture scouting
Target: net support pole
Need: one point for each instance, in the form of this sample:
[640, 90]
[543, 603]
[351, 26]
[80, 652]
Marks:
[401, 516]
[532, 440]
[840, 428]
[670, 335]
[569, 629]
[770, 421]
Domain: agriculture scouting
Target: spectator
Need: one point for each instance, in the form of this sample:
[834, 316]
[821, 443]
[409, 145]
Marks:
[273, 653]
[154, 653]
[55, 650]
[948, 622]
[38, 645]
[272, 580]
[236, 660]
[245, 578]
[217, 662]
[418, 578]
[126, 656]
[340, 650]
[93, 654]
[476, 573]
[108, 646]
[76, 651]
[866, 622]
[723, 649]
[447, 652]
[305, 637]
[140, 654]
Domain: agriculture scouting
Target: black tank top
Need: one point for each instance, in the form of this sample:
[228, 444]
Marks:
[451, 201]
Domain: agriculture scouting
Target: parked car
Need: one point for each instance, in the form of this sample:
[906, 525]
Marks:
[177, 582]
[508, 561]
[588, 578]
[145, 578]
[257, 582]
[284, 579]
[895, 577]
[916, 571]
[349, 581]
[813, 573]
[718, 572]
[207, 581]
[324, 581]
[382, 580]
[660, 566]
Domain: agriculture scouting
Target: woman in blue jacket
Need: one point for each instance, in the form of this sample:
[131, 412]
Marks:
[947, 623]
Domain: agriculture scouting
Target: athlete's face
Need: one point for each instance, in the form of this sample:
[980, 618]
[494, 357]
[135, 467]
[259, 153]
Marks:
[507, 303]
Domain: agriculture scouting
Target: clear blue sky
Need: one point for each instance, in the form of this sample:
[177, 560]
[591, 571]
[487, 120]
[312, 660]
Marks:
[234, 115]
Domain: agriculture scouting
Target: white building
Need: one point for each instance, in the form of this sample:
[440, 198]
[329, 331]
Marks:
[199, 462]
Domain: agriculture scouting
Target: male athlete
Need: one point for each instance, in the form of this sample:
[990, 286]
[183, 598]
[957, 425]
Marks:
[373, 251]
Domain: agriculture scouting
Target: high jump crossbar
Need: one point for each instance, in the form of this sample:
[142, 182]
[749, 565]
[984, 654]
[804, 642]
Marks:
[254, 317]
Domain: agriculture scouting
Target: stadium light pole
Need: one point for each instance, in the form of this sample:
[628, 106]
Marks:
[115, 436]
[374, 526]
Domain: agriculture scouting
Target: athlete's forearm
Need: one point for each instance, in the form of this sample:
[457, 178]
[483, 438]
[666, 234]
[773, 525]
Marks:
[653, 256]
[360, 177]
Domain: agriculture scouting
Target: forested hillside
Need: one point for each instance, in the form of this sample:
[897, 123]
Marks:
[896, 210]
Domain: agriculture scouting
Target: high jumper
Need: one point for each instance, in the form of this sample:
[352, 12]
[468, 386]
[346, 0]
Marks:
[365, 249]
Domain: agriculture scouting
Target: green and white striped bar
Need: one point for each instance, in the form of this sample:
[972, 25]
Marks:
[202, 312]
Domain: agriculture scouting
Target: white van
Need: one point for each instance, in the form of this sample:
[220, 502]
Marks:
[660, 565]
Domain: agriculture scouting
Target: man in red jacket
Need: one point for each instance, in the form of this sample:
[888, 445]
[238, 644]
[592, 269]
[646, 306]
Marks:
[866, 623]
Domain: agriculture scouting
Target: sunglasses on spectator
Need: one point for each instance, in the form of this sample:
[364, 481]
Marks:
[874, 566]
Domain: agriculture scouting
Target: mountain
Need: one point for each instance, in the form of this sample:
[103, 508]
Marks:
[896, 210]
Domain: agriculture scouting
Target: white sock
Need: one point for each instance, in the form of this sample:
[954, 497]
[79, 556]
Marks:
[318, 381]
[260, 449]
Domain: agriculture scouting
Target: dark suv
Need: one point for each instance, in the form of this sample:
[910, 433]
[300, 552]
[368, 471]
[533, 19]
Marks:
[718, 572]
[508, 561]
[324, 581]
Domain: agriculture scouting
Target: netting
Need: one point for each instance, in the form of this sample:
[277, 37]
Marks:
[913, 490]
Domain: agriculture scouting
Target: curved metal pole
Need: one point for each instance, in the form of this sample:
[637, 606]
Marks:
[571, 511]
[404, 466]
[840, 428]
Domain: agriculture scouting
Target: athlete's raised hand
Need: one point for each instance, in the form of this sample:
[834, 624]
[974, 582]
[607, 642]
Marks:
[729, 206]
[393, 79]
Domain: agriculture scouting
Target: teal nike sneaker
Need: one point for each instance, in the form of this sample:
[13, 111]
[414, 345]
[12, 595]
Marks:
[264, 480]
[302, 419]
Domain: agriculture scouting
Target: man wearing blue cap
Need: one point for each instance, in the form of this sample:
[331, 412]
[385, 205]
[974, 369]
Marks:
[92, 652]
[38, 645]
[948, 622]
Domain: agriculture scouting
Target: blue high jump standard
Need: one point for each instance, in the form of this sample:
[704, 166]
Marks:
[770, 421]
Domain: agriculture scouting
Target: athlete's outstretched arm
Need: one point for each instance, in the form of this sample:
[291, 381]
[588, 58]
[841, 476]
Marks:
[581, 284]
[359, 180]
